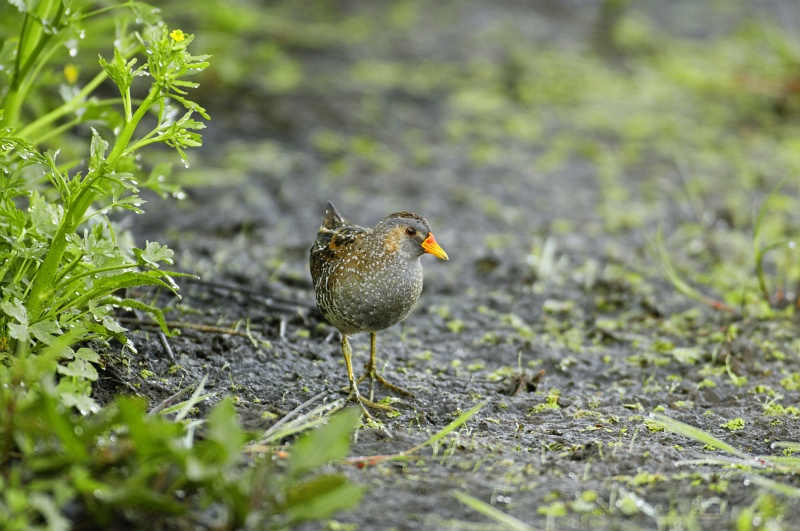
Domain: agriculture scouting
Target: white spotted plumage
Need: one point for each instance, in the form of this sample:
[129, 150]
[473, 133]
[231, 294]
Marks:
[366, 280]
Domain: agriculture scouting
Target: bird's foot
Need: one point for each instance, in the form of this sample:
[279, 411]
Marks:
[373, 375]
[356, 397]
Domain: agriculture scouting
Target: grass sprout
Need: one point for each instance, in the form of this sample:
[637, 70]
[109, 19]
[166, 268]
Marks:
[775, 464]
[185, 407]
[664, 261]
[501, 518]
[775, 486]
[293, 422]
[789, 269]
[676, 426]
[761, 249]
[432, 440]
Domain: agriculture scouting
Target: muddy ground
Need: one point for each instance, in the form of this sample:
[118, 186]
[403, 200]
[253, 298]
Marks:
[536, 282]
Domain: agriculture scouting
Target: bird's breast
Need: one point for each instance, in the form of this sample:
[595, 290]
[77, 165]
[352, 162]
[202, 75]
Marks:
[357, 299]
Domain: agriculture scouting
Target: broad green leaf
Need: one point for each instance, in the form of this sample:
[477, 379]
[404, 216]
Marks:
[83, 403]
[14, 308]
[87, 354]
[45, 216]
[97, 151]
[20, 332]
[111, 324]
[61, 426]
[325, 443]
[157, 314]
[154, 253]
[45, 363]
[45, 331]
[320, 497]
[224, 429]
[79, 368]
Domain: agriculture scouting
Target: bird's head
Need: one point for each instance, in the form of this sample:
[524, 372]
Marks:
[408, 234]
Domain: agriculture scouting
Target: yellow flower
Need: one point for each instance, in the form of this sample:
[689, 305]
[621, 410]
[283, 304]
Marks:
[177, 35]
[71, 73]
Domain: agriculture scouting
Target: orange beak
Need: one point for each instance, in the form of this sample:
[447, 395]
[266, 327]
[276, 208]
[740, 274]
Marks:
[433, 248]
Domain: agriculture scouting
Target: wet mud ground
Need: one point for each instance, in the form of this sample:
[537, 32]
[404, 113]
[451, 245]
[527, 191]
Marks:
[565, 329]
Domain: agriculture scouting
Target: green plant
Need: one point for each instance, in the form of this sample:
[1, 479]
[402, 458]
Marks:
[765, 509]
[658, 250]
[125, 465]
[760, 463]
[502, 519]
[787, 276]
[62, 262]
[432, 441]
[760, 250]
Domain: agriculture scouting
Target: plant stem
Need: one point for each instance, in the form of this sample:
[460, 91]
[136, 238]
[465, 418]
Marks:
[72, 105]
[127, 265]
[8, 430]
[31, 36]
[43, 284]
[43, 40]
[127, 133]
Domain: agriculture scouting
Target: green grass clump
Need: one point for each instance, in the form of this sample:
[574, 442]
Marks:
[124, 464]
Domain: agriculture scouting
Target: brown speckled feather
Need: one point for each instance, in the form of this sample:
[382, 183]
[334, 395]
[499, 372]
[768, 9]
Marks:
[366, 280]
[335, 238]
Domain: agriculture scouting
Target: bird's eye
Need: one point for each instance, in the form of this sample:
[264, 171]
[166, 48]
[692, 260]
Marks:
[411, 231]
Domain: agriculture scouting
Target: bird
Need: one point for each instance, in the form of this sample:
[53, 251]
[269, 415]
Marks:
[366, 280]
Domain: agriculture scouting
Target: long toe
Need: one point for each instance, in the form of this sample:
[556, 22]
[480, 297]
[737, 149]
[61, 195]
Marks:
[395, 388]
[356, 397]
[375, 376]
[376, 405]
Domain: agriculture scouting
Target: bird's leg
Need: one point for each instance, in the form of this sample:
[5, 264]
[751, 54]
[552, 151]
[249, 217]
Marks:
[372, 373]
[347, 352]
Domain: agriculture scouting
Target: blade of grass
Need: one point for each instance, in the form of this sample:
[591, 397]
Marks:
[286, 418]
[758, 250]
[505, 520]
[438, 436]
[774, 486]
[699, 435]
[751, 462]
[286, 426]
[786, 444]
[781, 463]
[759, 257]
[441, 434]
[161, 406]
[659, 251]
[186, 407]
